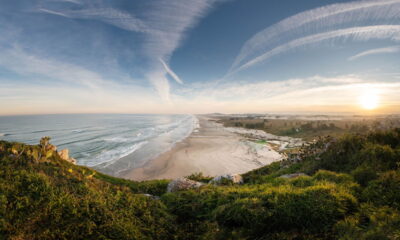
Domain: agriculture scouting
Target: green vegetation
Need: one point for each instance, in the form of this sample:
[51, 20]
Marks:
[351, 191]
[153, 187]
[311, 129]
[45, 197]
[199, 177]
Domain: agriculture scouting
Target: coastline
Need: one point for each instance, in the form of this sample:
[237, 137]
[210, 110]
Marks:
[212, 150]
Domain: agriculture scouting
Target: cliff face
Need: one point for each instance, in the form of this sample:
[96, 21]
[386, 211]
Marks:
[350, 190]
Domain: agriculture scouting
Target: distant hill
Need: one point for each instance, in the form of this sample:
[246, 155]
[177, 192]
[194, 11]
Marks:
[346, 188]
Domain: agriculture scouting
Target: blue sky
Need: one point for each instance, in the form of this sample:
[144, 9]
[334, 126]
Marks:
[198, 56]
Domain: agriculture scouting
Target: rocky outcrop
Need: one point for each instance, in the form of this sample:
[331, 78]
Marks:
[233, 178]
[293, 175]
[182, 184]
[51, 147]
[64, 154]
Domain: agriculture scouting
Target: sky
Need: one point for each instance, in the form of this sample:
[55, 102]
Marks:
[199, 56]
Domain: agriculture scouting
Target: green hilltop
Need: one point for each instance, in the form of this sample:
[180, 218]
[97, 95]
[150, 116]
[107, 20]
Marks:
[349, 188]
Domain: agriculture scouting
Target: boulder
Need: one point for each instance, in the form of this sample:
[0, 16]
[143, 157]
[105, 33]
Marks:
[64, 155]
[293, 175]
[182, 184]
[234, 178]
[72, 160]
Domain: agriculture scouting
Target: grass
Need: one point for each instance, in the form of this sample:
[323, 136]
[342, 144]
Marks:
[351, 192]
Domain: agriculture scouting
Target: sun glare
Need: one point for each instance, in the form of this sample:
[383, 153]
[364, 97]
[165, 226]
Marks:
[369, 100]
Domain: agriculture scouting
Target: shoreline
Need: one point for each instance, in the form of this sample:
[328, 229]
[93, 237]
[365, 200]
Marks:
[151, 146]
[212, 150]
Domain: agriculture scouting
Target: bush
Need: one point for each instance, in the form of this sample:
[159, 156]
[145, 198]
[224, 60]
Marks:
[312, 209]
[391, 138]
[364, 174]
[255, 176]
[381, 157]
[385, 190]
[154, 187]
[199, 177]
[302, 181]
[244, 212]
[329, 176]
[371, 223]
[379, 151]
[260, 211]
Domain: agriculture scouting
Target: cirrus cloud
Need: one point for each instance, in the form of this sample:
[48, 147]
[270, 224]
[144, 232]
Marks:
[312, 26]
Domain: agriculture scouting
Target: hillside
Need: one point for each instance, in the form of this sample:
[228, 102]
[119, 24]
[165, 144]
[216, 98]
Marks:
[349, 188]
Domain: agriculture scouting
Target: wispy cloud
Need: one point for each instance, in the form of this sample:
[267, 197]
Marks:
[317, 93]
[163, 23]
[392, 49]
[169, 20]
[170, 72]
[318, 23]
[391, 32]
[110, 16]
[28, 65]
[53, 12]
[71, 1]
[267, 89]
[59, 87]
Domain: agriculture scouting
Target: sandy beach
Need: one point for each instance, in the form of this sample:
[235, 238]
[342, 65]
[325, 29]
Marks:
[212, 150]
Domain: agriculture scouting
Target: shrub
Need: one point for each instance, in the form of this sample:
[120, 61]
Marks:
[385, 190]
[268, 173]
[329, 176]
[199, 177]
[391, 138]
[379, 151]
[286, 209]
[370, 223]
[256, 175]
[244, 212]
[381, 157]
[154, 187]
[364, 174]
[302, 181]
[312, 209]
[195, 204]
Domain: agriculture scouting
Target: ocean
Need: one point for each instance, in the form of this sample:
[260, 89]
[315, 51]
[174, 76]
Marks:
[110, 143]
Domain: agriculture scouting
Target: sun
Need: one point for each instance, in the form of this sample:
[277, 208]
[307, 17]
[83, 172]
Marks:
[369, 99]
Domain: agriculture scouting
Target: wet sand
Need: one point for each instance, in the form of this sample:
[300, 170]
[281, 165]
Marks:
[212, 150]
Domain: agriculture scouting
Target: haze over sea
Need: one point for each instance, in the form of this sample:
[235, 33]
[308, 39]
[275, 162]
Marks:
[111, 143]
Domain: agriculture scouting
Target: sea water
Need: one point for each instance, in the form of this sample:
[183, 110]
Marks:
[111, 143]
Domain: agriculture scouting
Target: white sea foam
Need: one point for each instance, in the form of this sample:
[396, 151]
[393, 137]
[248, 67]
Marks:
[196, 124]
[172, 132]
[118, 139]
[78, 130]
[115, 154]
